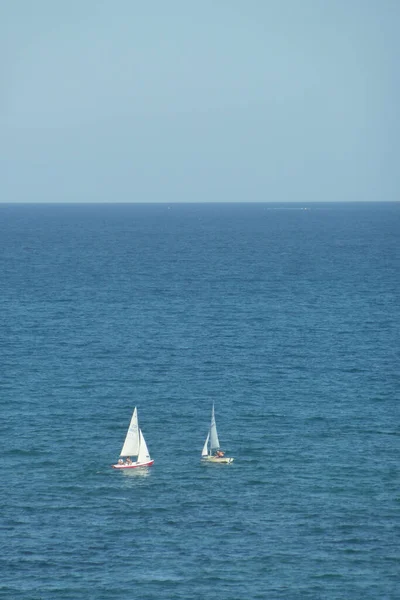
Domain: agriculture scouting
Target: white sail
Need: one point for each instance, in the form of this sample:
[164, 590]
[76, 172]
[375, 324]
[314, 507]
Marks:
[205, 448]
[143, 454]
[131, 444]
[214, 441]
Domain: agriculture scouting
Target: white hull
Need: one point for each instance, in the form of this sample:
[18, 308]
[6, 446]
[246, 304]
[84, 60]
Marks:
[134, 465]
[224, 460]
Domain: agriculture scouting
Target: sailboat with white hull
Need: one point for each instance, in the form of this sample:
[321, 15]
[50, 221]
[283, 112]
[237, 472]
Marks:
[134, 445]
[212, 450]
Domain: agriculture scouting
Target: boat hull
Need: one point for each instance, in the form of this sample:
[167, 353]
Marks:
[224, 460]
[134, 465]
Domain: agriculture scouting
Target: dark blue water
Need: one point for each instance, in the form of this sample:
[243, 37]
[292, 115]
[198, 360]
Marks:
[287, 319]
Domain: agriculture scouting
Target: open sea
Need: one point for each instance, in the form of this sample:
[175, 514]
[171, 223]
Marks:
[287, 317]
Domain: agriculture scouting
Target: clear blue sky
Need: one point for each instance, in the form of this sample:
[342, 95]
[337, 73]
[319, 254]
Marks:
[188, 101]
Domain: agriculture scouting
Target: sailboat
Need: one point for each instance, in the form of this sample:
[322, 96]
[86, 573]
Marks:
[134, 445]
[211, 450]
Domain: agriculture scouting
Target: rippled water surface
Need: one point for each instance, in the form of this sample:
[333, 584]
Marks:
[287, 319]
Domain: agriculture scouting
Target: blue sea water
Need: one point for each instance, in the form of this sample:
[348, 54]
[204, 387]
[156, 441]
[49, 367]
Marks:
[285, 316]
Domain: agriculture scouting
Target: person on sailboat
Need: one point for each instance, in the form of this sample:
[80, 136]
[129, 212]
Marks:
[128, 460]
[219, 454]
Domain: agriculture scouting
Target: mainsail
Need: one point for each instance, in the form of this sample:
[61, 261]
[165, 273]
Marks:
[212, 438]
[131, 444]
[214, 441]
